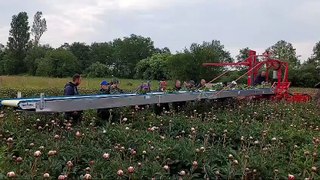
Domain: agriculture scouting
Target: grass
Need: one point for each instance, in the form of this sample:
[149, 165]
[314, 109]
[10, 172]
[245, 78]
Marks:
[31, 82]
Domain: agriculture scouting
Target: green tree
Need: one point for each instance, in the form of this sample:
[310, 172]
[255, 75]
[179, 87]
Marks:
[164, 50]
[128, 52]
[154, 67]
[39, 26]
[284, 51]
[243, 54]
[101, 52]
[98, 69]
[58, 63]
[315, 58]
[18, 43]
[188, 64]
[308, 74]
[82, 52]
[2, 54]
[34, 55]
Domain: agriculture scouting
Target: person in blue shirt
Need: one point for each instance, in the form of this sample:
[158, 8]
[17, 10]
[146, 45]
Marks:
[71, 89]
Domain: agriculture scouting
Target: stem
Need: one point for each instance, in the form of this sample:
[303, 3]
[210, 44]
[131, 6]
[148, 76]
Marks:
[34, 167]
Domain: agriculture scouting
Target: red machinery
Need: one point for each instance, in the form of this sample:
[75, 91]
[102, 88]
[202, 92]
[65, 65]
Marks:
[281, 86]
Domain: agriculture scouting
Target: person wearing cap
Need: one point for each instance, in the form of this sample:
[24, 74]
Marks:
[105, 87]
[105, 113]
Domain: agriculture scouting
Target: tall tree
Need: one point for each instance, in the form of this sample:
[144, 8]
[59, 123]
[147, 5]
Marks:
[39, 26]
[284, 51]
[18, 43]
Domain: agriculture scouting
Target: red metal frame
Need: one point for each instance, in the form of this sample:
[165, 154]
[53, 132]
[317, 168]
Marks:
[282, 68]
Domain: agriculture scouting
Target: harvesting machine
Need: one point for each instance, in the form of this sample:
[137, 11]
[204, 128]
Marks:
[279, 91]
[280, 70]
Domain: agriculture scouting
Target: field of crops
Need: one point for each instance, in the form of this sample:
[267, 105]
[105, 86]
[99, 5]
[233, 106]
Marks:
[221, 140]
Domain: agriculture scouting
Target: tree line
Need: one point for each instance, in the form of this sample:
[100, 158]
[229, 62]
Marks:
[133, 57]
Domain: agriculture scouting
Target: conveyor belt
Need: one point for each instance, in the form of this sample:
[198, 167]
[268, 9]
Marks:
[76, 103]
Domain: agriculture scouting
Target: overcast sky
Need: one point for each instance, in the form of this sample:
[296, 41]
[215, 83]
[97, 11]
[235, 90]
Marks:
[176, 24]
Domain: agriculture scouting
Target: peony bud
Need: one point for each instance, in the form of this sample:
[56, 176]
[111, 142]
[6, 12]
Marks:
[11, 174]
[37, 154]
[87, 177]
[106, 156]
[314, 169]
[69, 164]
[182, 173]
[46, 175]
[62, 177]
[195, 164]
[120, 172]
[78, 134]
[166, 167]
[291, 177]
[19, 159]
[130, 170]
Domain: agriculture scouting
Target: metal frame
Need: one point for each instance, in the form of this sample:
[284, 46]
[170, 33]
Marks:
[77, 103]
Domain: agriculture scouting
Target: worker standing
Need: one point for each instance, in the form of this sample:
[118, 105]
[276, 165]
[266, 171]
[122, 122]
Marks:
[202, 84]
[105, 89]
[162, 106]
[162, 85]
[261, 78]
[177, 106]
[114, 87]
[144, 88]
[71, 89]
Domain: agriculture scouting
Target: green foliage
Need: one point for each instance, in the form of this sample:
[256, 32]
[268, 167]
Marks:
[154, 67]
[243, 54]
[18, 44]
[102, 52]
[82, 52]
[307, 75]
[98, 69]
[128, 52]
[58, 63]
[33, 56]
[284, 51]
[188, 64]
